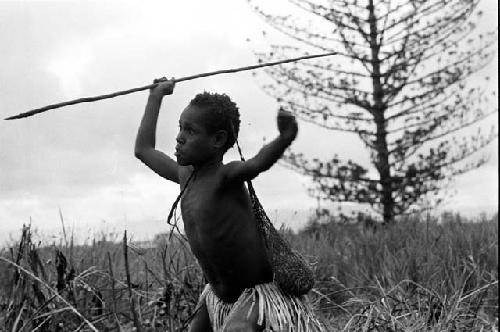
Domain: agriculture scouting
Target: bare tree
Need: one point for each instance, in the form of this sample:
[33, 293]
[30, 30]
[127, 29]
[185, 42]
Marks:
[399, 82]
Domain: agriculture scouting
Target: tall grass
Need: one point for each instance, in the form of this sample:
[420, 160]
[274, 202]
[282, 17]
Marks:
[446, 273]
[417, 275]
[112, 286]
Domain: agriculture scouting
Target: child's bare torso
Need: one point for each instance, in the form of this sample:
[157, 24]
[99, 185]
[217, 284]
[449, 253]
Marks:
[223, 235]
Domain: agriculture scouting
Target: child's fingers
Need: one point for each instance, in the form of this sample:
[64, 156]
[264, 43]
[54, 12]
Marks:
[163, 85]
[158, 80]
[165, 82]
[283, 112]
[164, 79]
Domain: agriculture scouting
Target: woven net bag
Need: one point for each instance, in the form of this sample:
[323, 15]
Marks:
[291, 272]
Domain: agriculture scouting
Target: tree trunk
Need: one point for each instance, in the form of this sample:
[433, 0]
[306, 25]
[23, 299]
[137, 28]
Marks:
[379, 108]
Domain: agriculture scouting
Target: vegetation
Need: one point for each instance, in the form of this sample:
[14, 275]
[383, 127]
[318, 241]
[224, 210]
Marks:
[400, 82]
[416, 275]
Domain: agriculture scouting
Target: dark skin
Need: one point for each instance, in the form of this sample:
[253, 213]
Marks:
[216, 208]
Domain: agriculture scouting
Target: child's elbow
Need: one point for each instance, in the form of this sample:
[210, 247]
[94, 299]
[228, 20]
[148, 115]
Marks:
[138, 153]
[140, 150]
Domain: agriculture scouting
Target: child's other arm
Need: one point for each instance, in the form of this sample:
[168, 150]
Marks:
[243, 171]
[145, 141]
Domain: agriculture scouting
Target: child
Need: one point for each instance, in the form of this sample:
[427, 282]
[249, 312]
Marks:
[217, 214]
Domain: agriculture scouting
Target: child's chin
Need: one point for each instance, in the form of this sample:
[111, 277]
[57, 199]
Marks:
[183, 162]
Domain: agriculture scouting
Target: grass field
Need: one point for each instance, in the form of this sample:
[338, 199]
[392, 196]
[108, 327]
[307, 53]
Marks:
[418, 275]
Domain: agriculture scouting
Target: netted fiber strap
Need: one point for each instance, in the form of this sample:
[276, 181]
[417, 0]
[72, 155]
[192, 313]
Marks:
[173, 209]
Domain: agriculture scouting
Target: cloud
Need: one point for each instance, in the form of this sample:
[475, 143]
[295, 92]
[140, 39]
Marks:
[80, 158]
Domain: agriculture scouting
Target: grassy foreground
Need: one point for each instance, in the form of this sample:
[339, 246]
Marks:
[418, 275]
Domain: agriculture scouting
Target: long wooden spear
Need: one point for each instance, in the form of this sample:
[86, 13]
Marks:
[149, 86]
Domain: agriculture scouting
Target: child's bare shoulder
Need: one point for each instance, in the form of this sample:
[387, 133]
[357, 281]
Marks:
[231, 165]
[236, 172]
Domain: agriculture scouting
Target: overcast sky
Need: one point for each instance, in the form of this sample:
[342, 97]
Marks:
[80, 159]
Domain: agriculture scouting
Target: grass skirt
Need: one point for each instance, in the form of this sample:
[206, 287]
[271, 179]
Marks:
[276, 310]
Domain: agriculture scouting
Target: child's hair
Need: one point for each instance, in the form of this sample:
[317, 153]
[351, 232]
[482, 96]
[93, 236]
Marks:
[222, 114]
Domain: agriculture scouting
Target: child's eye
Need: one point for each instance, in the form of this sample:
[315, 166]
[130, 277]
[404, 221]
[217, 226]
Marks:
[186, 129]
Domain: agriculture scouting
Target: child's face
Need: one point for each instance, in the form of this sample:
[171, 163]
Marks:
[195, 145]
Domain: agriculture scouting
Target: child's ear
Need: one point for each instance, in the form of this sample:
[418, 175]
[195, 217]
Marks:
[220, 138]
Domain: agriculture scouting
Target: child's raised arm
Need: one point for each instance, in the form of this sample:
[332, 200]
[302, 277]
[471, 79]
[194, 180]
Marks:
[145, 141]
[243, 171]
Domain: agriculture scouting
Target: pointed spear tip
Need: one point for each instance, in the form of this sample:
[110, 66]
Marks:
[20, 115]
[14, 117]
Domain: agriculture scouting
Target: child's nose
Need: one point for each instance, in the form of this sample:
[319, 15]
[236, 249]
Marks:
[179, 138]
